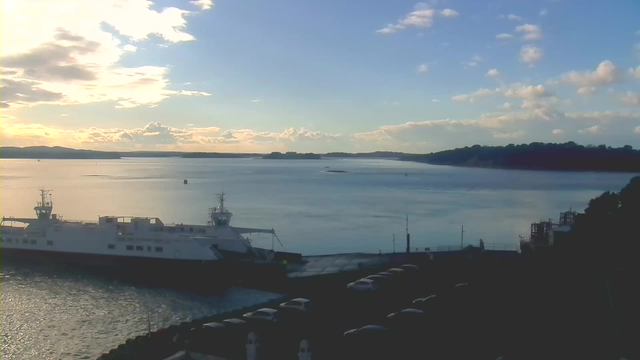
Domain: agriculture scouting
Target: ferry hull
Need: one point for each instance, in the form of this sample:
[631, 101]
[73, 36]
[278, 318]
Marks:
[192, 274]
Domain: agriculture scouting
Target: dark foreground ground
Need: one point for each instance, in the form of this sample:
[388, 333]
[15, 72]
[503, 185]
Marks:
[532, 306]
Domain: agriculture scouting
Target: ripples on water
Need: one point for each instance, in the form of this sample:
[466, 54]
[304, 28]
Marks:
[70, 314]
[62, 313]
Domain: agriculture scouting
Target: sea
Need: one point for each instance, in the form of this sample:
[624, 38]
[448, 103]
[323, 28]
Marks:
[316, 207]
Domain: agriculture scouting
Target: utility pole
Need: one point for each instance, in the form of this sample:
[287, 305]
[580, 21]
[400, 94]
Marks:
[394, 243]
[462, 237]
[408, 236]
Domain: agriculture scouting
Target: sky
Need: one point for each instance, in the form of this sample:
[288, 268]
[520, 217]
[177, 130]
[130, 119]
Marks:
[331, 75]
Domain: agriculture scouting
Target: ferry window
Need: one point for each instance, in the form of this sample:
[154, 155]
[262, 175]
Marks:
[25, 241]
[148, 248]
[140, 248]
[34, 241]
[158, 248]
[111, 246]
[129, 247]
[49, 242]
[109, 220]
[190, 229]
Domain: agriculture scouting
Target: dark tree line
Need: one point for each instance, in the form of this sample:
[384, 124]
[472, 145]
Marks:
[539, 156]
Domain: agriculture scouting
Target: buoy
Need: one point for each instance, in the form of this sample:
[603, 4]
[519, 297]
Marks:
[185, 182]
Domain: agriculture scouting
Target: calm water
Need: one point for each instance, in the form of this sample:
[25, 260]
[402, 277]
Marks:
[75, 315]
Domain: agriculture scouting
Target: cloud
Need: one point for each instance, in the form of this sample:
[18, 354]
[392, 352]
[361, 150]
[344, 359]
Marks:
[255, 100]
[475, 61]
[587, 91]
[423, 68]
[449, 13]
[203, 4]
[637, 130]
[435, 100]
[605, 73]
[506, 106]
[513, 17]
[557, 132]
[480, 93]
[73, 50]
[530, 54]
[421, 17]
[530, 32]
[64, 115]
[493, 73]
[635, 73]
[544, 12]
[513, 135]
[596, 129]
[157, 135]
[527, 92]
[504, 36]
[605, 116]
[631, 98]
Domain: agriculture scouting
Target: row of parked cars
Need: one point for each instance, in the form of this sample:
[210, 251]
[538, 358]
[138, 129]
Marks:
[383, 279]
[406, 330]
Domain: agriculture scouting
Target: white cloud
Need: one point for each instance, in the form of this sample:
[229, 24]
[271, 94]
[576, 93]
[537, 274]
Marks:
[421, 17]
[493, 73]
[435, 100]
[605, 73]
[506, 106]
[203, 4]
[605, 116]
[129, 48]
[513, 135]
[61, 53]
[462, 97]
[635, 73]
[449, 13]
[530, 32]
[558, 132]
[255, 100]
[511, 17]
[637, 130]
[527, 92]
[504, 36]
[631, 98]
[544, 12]
[64, 115]
[596, 129]
[530, 54]
[475, 61]
[586, 91]
[480, 93]
[423, 68]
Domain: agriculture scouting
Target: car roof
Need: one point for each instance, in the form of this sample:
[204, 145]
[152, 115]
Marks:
[268, 310]
[384, 273]
[300, 299]
[411, 311]
[214, 325]
[373, 328]
[396, 269]
[376, 276]
[234, 321]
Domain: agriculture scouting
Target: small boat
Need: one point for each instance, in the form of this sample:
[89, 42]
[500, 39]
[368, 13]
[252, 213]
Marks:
[185, 182]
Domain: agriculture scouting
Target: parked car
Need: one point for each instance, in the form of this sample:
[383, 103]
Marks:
[234, 323]
[363, 285]
[300, 304]
[379, 279]
[369, 342]
[409, 268]
[386, 274]
[264, 314]
[396, 272]
[405, 315]
[368, 330]
[425, 303]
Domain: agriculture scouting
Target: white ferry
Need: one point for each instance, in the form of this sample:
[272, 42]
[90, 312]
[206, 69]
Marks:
[144, 244]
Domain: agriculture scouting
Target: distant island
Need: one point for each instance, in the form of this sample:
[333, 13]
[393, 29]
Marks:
[219, 155]
[373, 155]
[292, 155]
[538, 156]
[56, 152]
